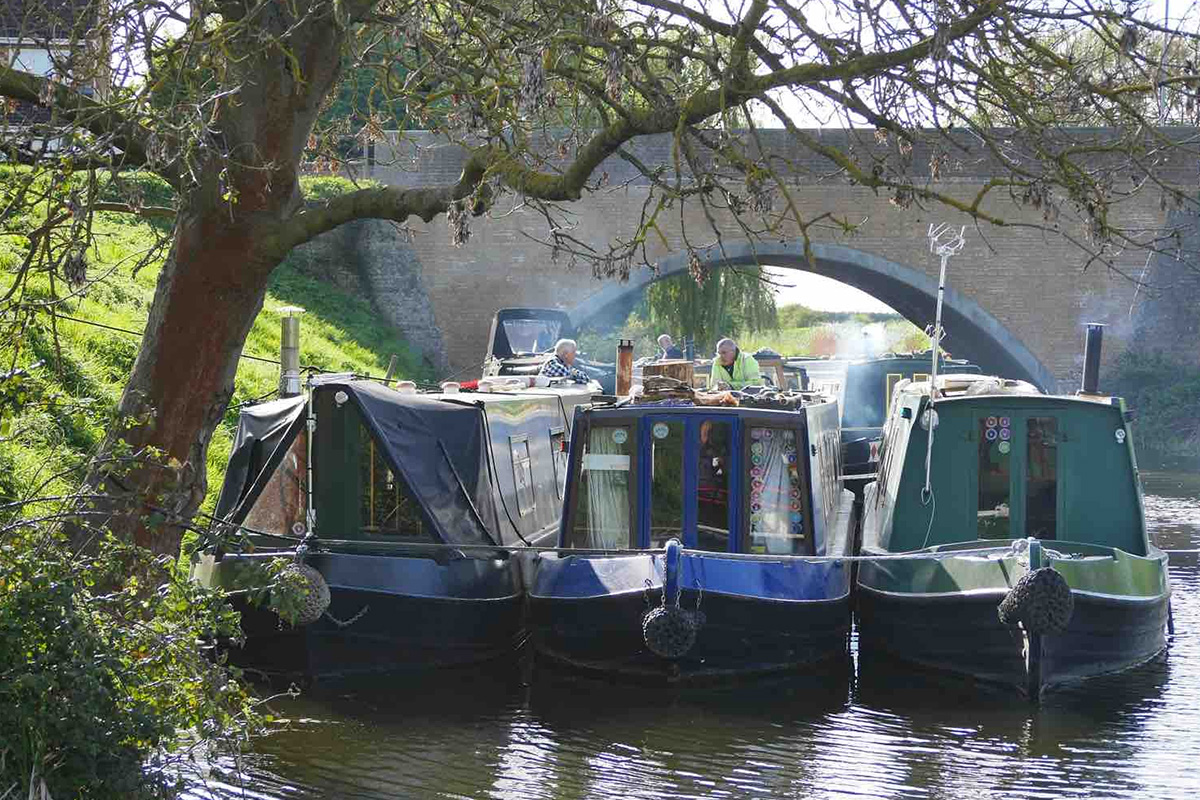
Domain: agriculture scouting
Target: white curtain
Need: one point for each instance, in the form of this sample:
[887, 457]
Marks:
[606, 482]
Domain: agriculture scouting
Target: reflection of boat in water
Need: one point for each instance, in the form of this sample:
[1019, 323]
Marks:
[713, 510]
[522, 339]
[395, 500]
[1025, 554]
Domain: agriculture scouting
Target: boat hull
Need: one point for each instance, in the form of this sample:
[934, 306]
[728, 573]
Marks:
[741, 634]
[960, 631]
[390, 613]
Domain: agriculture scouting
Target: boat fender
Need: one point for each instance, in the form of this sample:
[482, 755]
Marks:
[1041, 601]
[316, 597]
[668, 630]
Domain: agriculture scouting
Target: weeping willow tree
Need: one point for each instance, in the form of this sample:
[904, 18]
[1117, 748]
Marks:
[724, 302]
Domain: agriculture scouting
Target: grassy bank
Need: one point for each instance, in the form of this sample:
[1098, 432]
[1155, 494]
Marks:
[66, 404]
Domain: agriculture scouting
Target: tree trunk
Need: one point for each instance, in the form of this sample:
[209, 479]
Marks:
[151, 468]
[152, 464]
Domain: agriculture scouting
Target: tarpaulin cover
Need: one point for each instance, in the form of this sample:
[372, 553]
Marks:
[440, 449]
[264, 434]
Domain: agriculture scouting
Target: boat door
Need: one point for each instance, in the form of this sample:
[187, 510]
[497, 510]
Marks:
[688, 463]
[1018, 475]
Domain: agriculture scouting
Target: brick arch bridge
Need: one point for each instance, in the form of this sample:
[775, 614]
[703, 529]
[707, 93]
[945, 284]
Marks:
[970, 331]
[1018, 294]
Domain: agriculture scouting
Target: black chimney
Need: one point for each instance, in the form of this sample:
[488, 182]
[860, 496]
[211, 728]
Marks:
[1091, 358]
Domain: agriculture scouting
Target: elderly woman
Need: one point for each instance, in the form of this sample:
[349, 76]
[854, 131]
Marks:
[733, 369]
[562, 365]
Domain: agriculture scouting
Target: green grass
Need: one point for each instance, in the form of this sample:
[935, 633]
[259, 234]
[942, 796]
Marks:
[49, 432]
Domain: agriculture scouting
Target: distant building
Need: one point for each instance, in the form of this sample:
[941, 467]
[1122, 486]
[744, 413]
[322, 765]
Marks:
[51, 38]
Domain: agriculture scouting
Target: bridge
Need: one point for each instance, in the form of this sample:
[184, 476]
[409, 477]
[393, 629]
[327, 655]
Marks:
[1017, 295]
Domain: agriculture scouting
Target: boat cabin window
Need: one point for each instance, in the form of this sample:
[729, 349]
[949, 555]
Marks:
[777, 522]
[602, 499]
[995, 448]
[1041, 482]
[558, 457]
[385, 507]
[666, 481]
[712, 490]
[522, 473]
[531, 335]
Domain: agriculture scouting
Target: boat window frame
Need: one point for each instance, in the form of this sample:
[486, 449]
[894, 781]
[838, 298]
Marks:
[1018, 472]
[522, 439]
[560, 459]
[803, 445]
[580, 436]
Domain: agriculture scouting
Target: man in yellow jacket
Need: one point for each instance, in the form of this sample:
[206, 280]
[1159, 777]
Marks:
[733, 369]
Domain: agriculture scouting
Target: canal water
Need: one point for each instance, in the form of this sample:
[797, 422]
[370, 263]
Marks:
[886, 733]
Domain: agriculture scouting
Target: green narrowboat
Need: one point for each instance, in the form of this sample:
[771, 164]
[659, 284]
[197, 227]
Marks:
[1014, 549]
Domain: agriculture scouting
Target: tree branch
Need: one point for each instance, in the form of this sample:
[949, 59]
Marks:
[130, 137]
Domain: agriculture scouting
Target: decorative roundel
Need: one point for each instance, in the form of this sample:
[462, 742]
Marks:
[991, 422]
[1120, 434]
[756, 472]
[795, 493]
[795, 506]
[755, 508]
[1005, 434]
[797, 528]
[756, 485]
[756, 459]
[991, 434]
[1005, 422]
[790, 458]
[755, 516]
[756, 433]
[661, 430]
[1004, 447]
[767, 433]
[795, 516]
[620, 435]
[756, 448]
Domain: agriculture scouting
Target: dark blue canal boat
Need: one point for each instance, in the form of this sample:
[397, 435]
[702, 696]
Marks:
[695, 530]
[395, 503]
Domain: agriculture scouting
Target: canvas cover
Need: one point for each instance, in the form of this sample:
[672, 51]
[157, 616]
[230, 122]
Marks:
[440, 450]
[264, 434]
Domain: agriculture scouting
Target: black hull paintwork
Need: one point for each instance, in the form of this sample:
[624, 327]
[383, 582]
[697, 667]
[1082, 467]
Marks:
[963, 634]
[740, 636]
[388, 614]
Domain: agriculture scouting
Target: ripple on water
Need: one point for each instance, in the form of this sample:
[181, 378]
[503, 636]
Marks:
[895, 734]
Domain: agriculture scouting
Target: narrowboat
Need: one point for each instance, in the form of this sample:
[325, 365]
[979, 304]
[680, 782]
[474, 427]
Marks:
[404, 505]
[699, 542]
[522, 339]
[863, 388]
[1013, 548]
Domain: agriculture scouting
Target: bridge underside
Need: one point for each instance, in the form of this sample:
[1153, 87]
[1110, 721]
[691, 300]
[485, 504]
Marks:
[970, 331]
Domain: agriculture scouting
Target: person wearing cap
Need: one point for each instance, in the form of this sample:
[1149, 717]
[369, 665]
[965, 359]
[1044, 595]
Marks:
[562, 364]
[667, 348]
[733, 369]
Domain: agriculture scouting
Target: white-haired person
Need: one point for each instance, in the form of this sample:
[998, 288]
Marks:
[733, 369]
[562, 364]
[668, 350]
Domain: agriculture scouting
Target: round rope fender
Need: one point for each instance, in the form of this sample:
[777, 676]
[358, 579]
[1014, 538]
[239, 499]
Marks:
[1041, 601]
[316, 598]
[669, 631]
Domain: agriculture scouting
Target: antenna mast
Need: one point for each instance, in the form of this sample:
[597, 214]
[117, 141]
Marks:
[945, 242]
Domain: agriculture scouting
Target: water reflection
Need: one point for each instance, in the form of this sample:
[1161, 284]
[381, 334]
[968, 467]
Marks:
[896, 733]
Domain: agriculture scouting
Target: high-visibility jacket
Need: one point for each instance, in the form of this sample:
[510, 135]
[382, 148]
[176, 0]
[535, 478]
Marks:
[742, 373]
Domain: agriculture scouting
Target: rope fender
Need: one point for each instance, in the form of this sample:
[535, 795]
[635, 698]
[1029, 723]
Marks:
[1041, 601]
[670, 631]
[316, 596]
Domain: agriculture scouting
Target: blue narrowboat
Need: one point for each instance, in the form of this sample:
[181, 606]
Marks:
[701, 542]
[393, 504]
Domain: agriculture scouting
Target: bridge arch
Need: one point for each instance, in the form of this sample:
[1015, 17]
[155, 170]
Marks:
[971, 332]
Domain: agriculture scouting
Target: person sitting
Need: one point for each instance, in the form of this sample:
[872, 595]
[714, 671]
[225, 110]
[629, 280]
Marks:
[562, 365]
[667, 348]
[733, 369]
